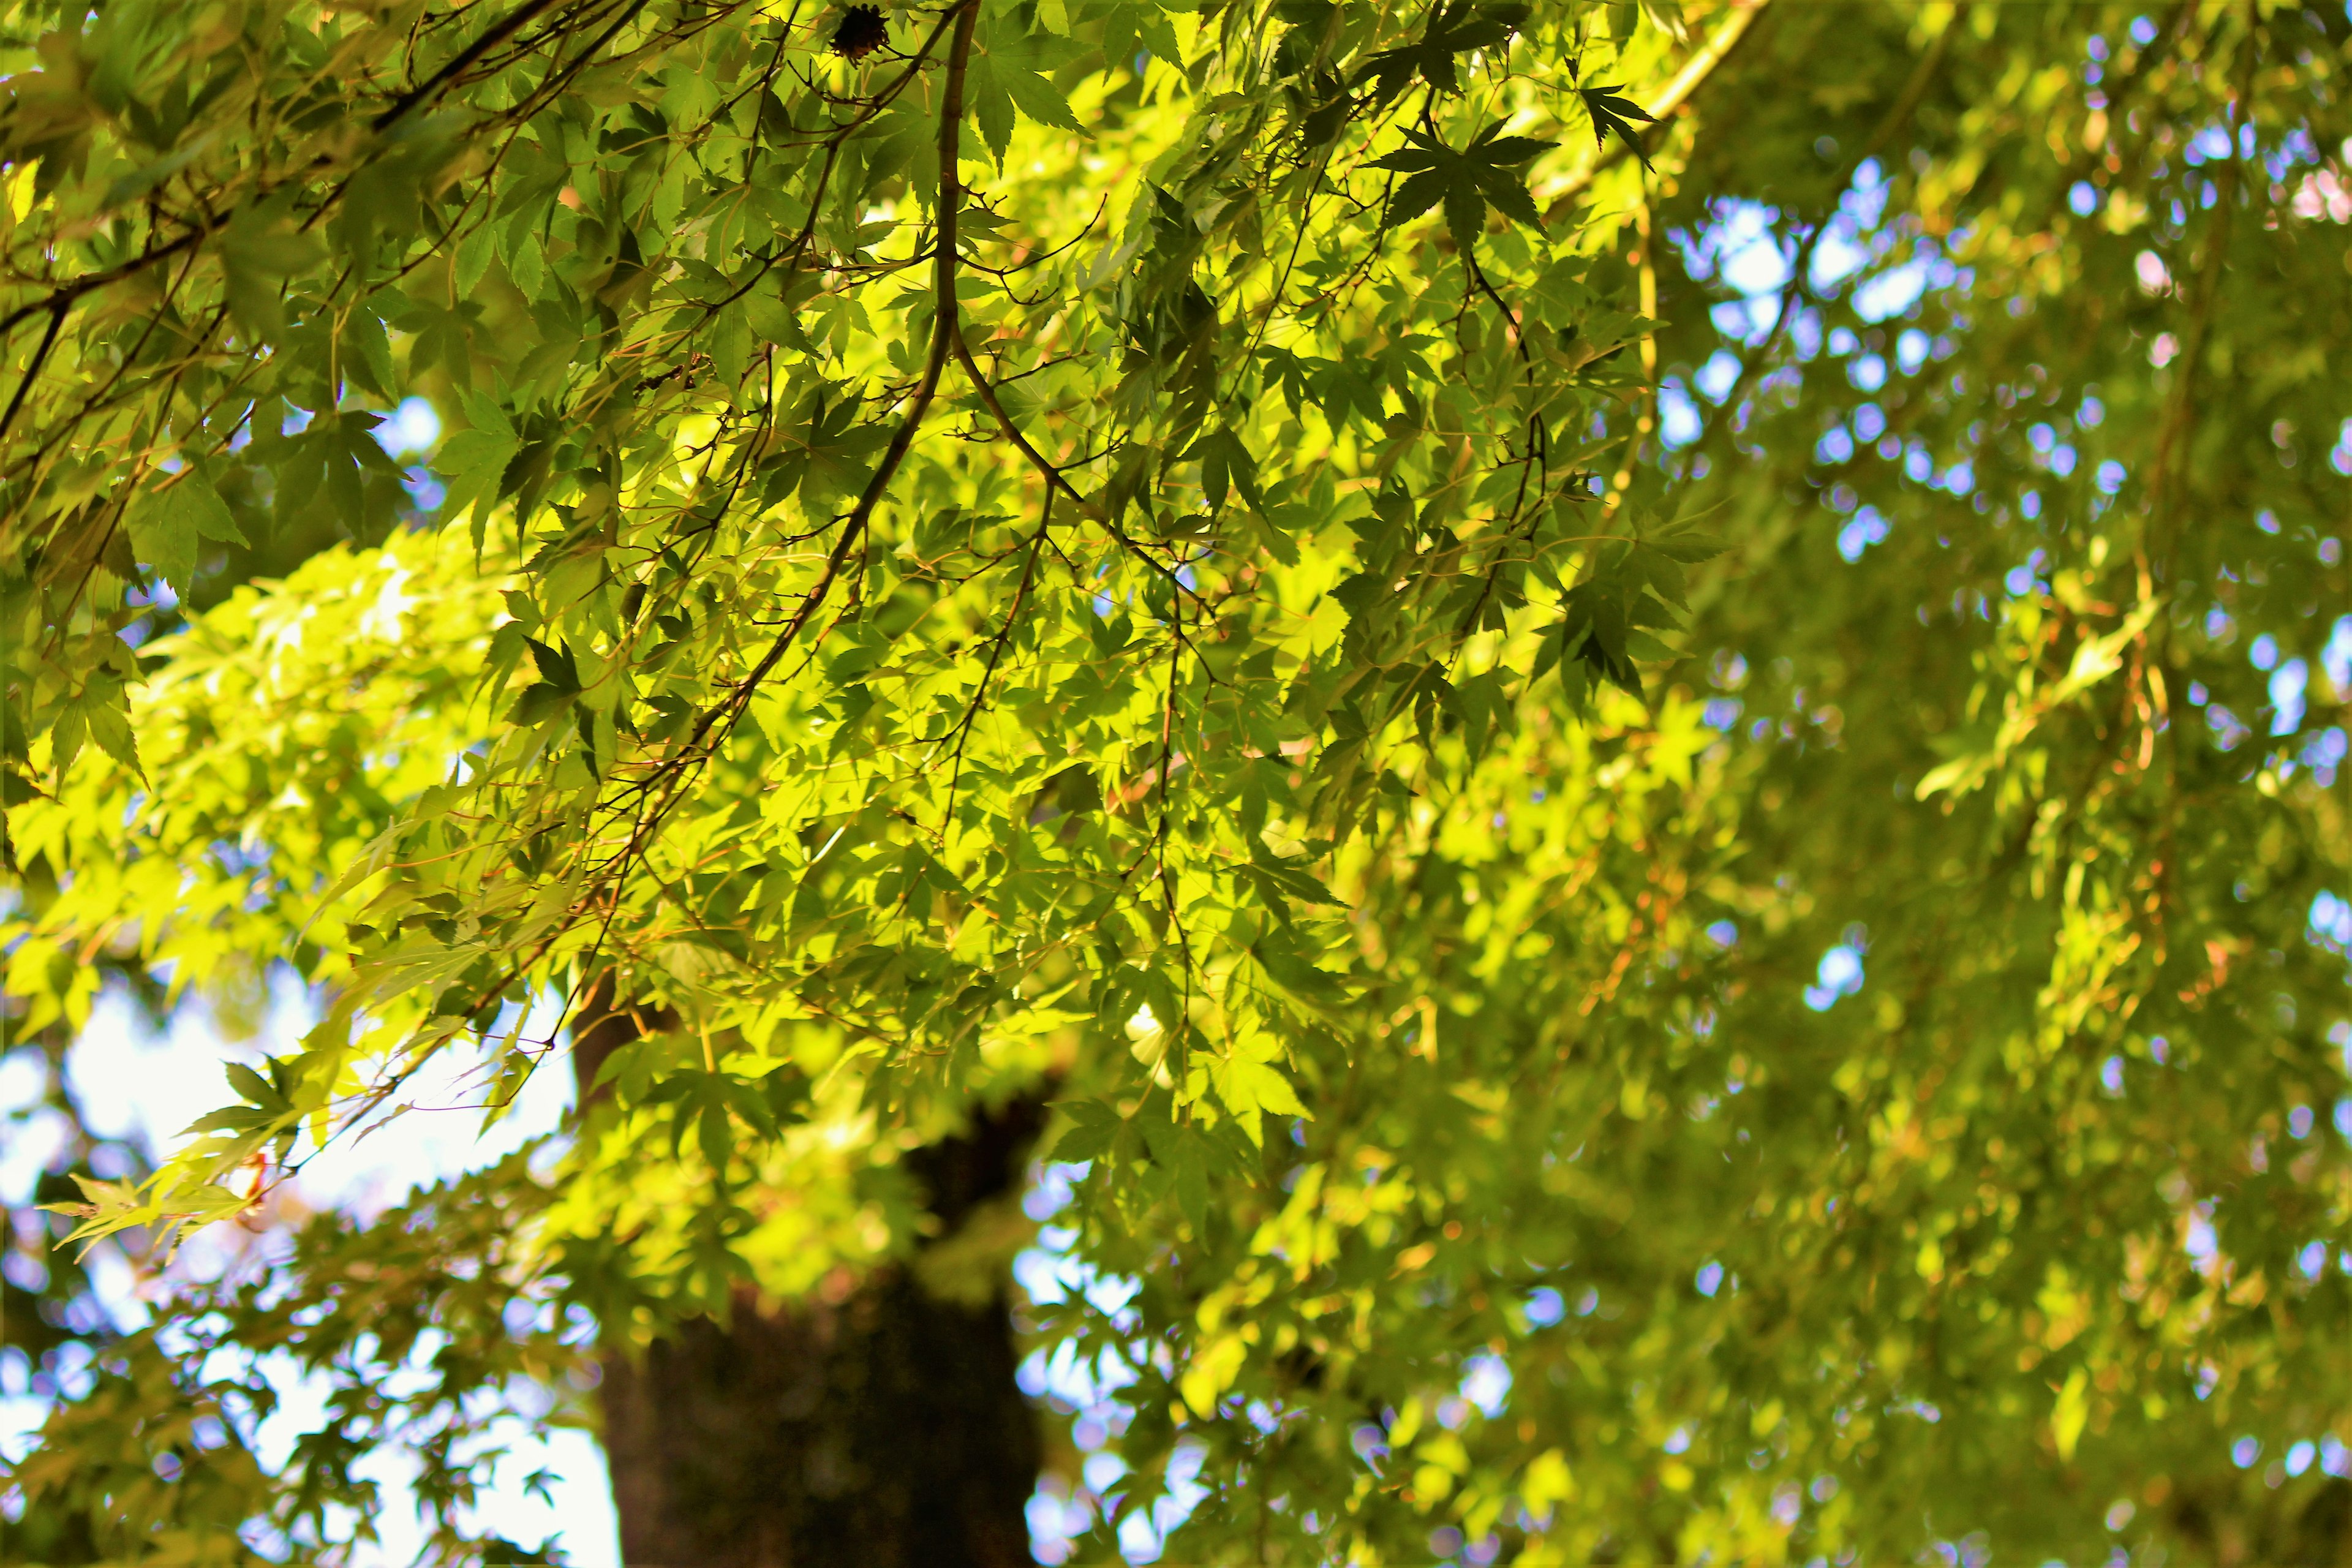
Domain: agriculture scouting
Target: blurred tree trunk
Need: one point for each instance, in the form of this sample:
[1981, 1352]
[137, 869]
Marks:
[2307, 1526]
[882, 1427]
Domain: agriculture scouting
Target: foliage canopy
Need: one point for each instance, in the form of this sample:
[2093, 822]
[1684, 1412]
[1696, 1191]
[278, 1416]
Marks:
[1260, 565]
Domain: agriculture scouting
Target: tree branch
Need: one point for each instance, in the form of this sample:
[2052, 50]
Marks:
[995, 654]
[945, 336]
[515, 21]
[62, 298]
[33, 369]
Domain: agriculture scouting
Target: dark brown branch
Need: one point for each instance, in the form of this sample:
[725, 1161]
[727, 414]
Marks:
[1052, 472]
[33, 369]
[65, 294]
[946, 335]
[515, 21]
[672, 774]
[726, 712]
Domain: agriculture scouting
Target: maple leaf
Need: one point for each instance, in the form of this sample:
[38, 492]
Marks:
[1453, 29]
[1609, 113]
[1467, 180]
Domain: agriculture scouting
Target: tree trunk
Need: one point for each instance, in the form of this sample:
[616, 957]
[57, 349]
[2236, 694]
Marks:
[883, 1427]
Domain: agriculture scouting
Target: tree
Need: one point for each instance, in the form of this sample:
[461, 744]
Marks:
[1214, 601]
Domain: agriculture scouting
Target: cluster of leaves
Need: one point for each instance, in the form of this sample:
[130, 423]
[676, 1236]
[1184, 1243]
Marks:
[2104, 1011]
[1170, 614]
[694, 370]
[420, 1329]
[2031, 699]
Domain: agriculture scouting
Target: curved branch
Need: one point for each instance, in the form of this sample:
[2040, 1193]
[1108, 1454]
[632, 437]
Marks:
[62, 298]
[946, 336]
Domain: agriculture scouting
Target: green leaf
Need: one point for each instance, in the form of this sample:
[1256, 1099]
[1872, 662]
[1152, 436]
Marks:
[1464, 179]
[1454, 27]
[1093, 1128]
[367, 352]
[474, 461]
[170, 523]
[1610, 112]
[473, 258]
[256, 1089]
[1038, 98]
[259, 249]
[989, 97]
[556, 666]
[1225, 464]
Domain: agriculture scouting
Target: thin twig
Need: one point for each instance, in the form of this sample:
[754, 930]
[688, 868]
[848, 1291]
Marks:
[995, 654]
[516, 20]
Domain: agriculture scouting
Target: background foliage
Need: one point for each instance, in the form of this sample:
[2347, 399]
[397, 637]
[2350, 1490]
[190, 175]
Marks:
[1263, 567]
